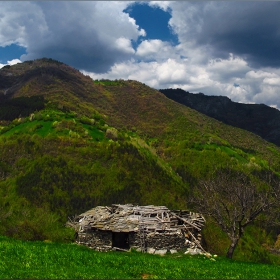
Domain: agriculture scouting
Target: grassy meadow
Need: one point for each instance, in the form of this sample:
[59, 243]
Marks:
[47, 260]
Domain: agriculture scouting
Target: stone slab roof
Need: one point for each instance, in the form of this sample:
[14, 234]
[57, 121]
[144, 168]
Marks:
[128, 218]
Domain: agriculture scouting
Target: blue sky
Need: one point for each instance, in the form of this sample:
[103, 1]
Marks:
[229, 48]
[10, 52]
[153, 20]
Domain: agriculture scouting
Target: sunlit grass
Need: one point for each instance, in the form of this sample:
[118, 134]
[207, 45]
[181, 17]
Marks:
[48, 260]
[46, 125]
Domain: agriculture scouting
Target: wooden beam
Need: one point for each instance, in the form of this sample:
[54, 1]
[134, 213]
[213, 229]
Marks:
[196, 241]
[184, 220]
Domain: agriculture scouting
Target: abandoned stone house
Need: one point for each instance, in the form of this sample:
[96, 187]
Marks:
[145, 228]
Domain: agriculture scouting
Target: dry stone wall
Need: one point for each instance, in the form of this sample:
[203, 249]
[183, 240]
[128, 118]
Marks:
[96, 239]
[166, 240]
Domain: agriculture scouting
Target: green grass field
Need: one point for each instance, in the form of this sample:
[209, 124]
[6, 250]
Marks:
[55, 123]
[46, 260]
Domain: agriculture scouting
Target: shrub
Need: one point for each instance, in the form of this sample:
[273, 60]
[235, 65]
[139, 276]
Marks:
[112, 133]
[86, 120]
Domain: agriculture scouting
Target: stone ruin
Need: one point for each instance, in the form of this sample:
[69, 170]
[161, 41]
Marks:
[152, 229]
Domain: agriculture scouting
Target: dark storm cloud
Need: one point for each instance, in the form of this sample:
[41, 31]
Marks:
[97, 58]
[84, 35]
[87, 35]
[249, 29]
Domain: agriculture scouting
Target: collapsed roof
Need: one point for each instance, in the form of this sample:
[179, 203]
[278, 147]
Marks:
[128, 218]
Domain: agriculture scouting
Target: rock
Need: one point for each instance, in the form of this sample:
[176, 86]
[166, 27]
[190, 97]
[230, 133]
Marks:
[160, 252]
[192, 251]
[32, 116]
[173, 251]
[198, 251]
[151, 250]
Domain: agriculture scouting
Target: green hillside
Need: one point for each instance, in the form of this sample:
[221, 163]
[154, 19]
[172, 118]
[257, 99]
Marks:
[69, 143]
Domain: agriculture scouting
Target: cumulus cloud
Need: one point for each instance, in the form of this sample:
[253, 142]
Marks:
[149, 48]
[223, 48]
[227, 69]
[156, 50]
[155, 74]
[124, 45]
[230, 77]
[272, 81]
[11, 62]
[88, 35]
[248, 29]
[164, 5]
[20, 21]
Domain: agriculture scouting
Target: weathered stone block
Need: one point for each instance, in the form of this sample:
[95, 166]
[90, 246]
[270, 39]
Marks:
[161, 252]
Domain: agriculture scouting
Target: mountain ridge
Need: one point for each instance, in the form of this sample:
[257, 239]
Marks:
[257, 118]
[74, 143]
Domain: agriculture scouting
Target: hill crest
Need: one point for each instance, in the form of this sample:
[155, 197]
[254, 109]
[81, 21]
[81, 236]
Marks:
[257, 118]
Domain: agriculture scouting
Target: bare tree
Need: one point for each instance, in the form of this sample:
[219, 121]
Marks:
[234, 200]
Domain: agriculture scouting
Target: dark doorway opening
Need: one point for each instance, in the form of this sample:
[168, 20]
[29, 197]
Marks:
[120, 240]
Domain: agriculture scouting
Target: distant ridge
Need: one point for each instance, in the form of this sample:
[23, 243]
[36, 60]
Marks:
[257, 118]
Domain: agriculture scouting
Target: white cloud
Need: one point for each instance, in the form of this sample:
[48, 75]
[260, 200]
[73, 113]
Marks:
[259, 74]
[154, 74]
[19, 21]
[218, 77]
[227, 69]
[164, 5]
[186, 19]
[272, 81]
[90, 35]
[160, 51]
[11, 62]
[124, 45]
[171, 72]
[97, 37]
[149, 48]
[156, 50]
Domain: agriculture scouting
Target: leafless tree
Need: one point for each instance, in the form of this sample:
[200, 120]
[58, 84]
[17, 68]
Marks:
[234, 200]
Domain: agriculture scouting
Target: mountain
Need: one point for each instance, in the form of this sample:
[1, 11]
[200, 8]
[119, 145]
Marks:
[69, 143]
[257, 118]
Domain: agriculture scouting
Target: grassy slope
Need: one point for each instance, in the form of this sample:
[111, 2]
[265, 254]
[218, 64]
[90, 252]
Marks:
[63, 164]
[43, 260]
[132, 105]
[162, 149]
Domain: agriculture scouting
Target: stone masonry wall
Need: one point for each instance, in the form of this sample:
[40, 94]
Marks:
[166, 240]
[96, 239]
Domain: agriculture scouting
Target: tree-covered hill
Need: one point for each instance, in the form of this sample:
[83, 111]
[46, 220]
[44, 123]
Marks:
[69, 143]
[257, 118]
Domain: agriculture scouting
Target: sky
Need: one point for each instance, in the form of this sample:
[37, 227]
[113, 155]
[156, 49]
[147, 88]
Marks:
[229, 48]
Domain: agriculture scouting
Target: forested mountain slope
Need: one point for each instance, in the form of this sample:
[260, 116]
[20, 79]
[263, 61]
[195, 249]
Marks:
[257, 118]
[69, 143]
